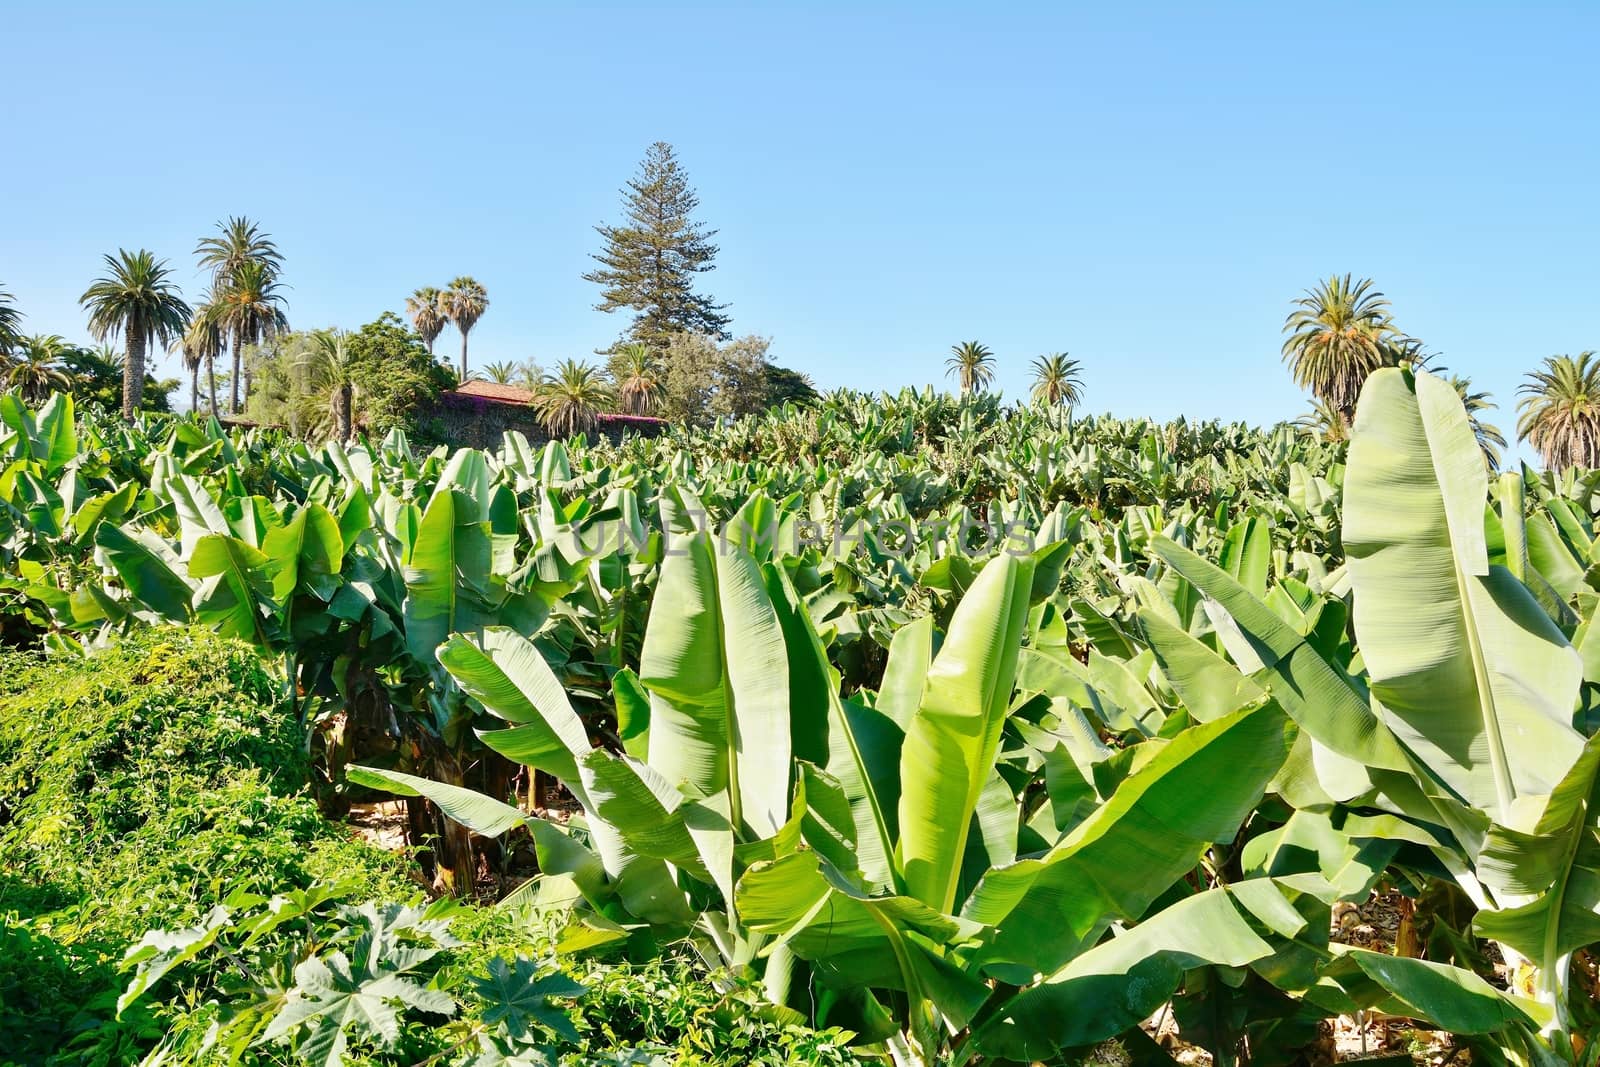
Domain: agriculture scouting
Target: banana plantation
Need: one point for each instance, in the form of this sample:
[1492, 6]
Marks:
[973, 734]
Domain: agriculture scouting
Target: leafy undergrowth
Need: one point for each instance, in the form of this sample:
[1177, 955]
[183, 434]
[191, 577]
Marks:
[157, 785]
[137, 789]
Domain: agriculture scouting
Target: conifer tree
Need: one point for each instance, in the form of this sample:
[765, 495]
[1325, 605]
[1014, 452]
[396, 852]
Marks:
[649, 263]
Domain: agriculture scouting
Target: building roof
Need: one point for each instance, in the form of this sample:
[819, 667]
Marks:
[506, 394]
[517, 396]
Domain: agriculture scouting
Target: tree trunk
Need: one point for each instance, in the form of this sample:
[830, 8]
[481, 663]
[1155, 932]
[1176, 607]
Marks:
[343, 402]
[463, 355]
[455, 845]
[238, 352]
[194, 390]
[133, 374]
[211, 376]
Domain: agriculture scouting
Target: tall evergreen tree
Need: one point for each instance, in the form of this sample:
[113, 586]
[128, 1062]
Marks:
[649, 263]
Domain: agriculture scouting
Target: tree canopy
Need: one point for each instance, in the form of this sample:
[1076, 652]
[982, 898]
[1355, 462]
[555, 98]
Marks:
[649, 262]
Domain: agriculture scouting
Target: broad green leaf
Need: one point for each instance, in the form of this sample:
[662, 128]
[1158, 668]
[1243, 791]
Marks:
[305, 553]
[1208, 685]
[232, 605]
[480, 814]
[906, 673]
[1451, 998]
[1247, 555]
[148, 569]
[1121, 982]
[951, 742]
[58, 434]
[506, 674]
[1194, 791]
[1466, 668]
[1327, 703]
[451, 550]
[1558, 863]
[715, 664]
[159, 951]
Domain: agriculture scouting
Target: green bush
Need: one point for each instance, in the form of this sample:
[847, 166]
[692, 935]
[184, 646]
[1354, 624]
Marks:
[147, 784]
[137, 789]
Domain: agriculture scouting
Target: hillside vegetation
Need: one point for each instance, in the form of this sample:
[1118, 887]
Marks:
[967, 733]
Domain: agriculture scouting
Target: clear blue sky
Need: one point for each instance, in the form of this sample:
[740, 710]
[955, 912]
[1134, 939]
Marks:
[1146, 187]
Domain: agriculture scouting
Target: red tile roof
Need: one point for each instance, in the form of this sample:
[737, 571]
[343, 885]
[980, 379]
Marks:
[508, 394]
[495, 393]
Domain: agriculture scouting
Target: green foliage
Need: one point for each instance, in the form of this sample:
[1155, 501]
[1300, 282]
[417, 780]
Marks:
[97, 379]
[393, 381]
[704, 381]
[138, 301]
[10, 323]
[649, 263]
[570, 398]
[785, 386]
[138, 788]
[975, 730]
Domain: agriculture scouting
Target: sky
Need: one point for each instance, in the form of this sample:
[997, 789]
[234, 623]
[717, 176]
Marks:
[1144, 186]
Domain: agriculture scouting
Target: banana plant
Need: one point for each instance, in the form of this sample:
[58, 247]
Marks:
[1460, 722]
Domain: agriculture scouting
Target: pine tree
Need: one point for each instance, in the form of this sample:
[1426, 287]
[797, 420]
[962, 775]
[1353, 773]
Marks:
[650, 262]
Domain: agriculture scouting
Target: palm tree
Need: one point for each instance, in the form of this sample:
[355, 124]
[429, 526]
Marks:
[570, 398]
[1560, 411]
[201, 344]
[639, 378]
[1325, 422]
[10, 323]
[1338, 334]
[1490, 439]
[502, 372]
[250, 310]
[1056, 380]
[330, 374]
[238, 242]
[973, 364]
[137, 300]
[35, 367]
[428, 318]
[464, 302]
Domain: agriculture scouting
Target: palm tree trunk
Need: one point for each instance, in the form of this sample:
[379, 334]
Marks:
[211, 376]
[133, 374]
[343, 401]
[238, 353]
[194, 389]
[463, 355]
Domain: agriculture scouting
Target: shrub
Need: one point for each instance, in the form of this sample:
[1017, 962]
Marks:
[138, 787]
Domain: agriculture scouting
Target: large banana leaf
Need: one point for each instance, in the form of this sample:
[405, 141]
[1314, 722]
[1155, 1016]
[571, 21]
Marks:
[448, 560]
[148, 569]
[859, 746]
[305, 554]
[506, 674]
[1122, 981]
[1558, 864]
[1327, 703]
[716, 666]
[951, 742]
[233, 600]
[854, 938]
[1466, 668]
[1193, 791]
